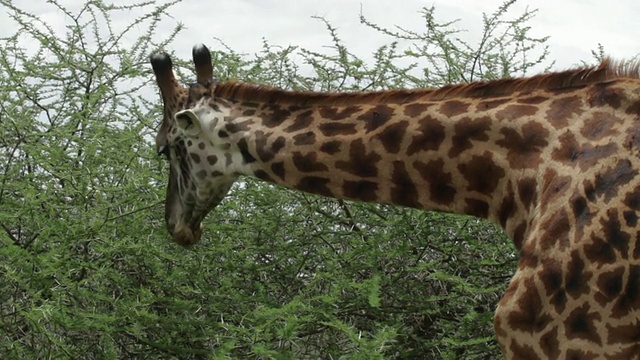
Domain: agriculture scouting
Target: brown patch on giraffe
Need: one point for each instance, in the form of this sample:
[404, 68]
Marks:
[533, 100]
[527, 192]
[275, 115]
[608, 182]
[201, 145]
[564, 108]
[415, 110]
[568, 152]
[315, 185]
[550, 344]
[598, 126]
[580, 354]
[491, 104]
[581, 324]
[614, 234]
[523, 150]
[430, 136]
[523, 352]
[307, 162]
[212, 159]
[507, 207]
[223, 134]
[630, 218]
[248, 112]
[550, 276]
[589, 191]
[307, 138]
[475, 207]
[556, 231]
[250, 104]
[628, 351]
[391, 137]
[440, 189]
[576, 276]
[625, 334]
[331, 147]
[338, 113]
[599, 251]
[519, 234]
[584, 155]
[238, 126]
[602, 94]
[195, 157]
[360, 162]
[530, 315]
[634, 108]
[632, 200]
[265, 152]
[263, 175]
[482, 174]
[376, 117]
[516, 111]
[331, 129]
[212, 104]
[581, 210]
[466, 130]
[629, 299]
[404, 191]
[453, 107]
[632, 139]
[360, 190]
[278, 169]
[301, 121]
[609, 286]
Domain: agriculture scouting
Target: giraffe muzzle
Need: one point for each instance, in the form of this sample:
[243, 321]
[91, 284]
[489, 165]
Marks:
[186, 235]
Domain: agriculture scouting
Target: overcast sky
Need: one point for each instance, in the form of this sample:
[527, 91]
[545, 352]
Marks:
[575, 27]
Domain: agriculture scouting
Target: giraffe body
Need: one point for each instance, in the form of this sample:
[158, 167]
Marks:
[553, 159]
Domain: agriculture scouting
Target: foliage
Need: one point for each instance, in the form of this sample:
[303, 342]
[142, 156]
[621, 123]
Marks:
[87, 269]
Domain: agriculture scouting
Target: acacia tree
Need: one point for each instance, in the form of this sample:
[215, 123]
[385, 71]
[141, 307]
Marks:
[87, 270]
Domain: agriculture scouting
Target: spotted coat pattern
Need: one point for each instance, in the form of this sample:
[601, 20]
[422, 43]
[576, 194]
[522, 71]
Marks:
[553, 159]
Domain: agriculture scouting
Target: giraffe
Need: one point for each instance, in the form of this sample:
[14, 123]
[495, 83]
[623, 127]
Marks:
[553, 159]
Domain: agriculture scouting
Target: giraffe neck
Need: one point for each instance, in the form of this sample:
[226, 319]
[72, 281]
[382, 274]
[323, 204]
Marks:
[457, 155]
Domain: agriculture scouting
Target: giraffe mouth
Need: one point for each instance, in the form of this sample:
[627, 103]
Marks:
[187, 235]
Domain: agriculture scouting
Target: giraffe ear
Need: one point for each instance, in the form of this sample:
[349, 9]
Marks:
[189, 122]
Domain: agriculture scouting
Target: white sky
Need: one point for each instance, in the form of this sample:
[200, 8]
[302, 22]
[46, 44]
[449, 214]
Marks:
[575, 27]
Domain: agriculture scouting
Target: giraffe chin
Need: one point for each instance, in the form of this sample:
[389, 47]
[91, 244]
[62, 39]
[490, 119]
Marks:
[187, 236]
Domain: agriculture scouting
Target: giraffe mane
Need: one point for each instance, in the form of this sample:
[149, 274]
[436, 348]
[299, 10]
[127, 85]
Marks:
[608, 70]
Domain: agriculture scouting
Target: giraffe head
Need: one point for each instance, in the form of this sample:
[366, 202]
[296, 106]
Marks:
[197, 180]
